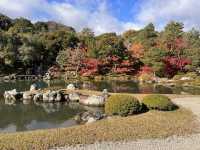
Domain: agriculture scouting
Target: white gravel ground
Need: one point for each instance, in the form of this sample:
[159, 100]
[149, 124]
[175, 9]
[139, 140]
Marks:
[191, 142]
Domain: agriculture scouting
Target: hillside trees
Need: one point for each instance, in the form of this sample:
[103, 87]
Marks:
[9, 44]
[109, 44]
[5, 22]
[21, 25]
[32, 48]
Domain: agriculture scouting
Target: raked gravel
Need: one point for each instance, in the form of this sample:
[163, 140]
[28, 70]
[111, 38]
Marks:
[191, 142]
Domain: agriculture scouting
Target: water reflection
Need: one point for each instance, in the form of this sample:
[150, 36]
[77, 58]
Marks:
[29, 117]
[112, 86]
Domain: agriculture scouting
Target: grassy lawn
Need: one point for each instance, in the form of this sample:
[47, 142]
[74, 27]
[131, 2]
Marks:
[152, 124]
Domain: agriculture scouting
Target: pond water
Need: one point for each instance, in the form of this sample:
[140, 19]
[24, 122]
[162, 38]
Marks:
[112, 86]
[21, 117]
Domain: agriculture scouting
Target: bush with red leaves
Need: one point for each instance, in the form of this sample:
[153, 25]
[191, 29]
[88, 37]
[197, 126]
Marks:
[89, 67]
[124, 67]
[174, 65]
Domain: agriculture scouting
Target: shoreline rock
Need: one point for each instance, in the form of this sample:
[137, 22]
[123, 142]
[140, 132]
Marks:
[52, 96]
[12, 95]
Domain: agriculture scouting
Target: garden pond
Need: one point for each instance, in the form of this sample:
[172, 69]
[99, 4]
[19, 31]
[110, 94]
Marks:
[25, 117]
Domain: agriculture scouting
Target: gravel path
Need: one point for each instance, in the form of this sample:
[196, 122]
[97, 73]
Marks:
[191, 142]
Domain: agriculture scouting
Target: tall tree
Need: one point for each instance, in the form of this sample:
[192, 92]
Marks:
[172, 33]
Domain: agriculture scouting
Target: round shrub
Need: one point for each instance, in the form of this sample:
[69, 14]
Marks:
[159, 102]
[122, 105]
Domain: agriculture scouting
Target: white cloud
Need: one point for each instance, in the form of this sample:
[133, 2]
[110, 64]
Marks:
[161, 12]
[69, 15]
[77, 14]
[96, 15]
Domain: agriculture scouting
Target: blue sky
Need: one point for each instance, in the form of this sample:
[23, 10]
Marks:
[106, 15]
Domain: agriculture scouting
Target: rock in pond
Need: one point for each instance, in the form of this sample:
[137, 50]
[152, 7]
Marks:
[12, 95]
[27, 95]
[59, 96]
[37, 97]
[89, 117]
[10, 102]
[53, 96]
[45, 96]
[74, 97]
[71, 87]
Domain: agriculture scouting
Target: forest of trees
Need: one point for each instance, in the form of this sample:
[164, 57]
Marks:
[27, 48]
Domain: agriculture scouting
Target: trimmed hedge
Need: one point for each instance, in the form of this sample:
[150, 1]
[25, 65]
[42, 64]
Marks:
[159, 102]
[122, 105]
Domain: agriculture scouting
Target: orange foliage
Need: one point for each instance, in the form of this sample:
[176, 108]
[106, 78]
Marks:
[137, 50]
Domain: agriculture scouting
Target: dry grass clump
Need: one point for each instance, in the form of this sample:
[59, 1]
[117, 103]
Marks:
[152, 124]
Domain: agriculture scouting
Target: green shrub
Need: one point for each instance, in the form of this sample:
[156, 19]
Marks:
[159, 102]
[122, 105]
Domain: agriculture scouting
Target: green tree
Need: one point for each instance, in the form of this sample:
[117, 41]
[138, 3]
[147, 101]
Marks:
[72, 56]
[5, 22]
[193, 38]
[21, 25]
[147, 37]
[87, 38]
[172, 32]
[153, 58]
[86, 32]
[110, 44]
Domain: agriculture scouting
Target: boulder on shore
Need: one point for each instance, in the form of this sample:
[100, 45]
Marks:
[94, 100]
